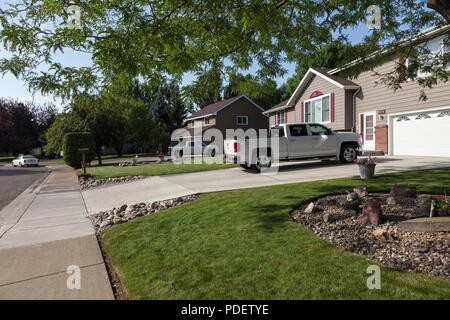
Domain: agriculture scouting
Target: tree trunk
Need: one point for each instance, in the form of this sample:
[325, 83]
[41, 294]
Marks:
[441, 6]
[118, 151]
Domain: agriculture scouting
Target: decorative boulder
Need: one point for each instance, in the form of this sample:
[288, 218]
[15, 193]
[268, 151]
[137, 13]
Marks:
[372, 212]
[383, 235]
[309, 208]
[403, 191]
[361, 191]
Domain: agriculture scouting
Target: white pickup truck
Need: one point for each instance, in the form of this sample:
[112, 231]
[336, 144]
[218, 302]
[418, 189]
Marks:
[296, 141]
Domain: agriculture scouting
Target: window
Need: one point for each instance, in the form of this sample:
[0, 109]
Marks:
[242, 120]
[318, 130]
[279, 129]
[446, 49]
[318, 109]
[206, 120]
[281, 117]
[298, 130]
[430, 54]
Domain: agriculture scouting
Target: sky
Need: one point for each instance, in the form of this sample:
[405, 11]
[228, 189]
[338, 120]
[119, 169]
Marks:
[12, 88]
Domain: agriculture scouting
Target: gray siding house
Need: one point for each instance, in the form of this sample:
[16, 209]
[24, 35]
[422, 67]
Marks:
[396, 123]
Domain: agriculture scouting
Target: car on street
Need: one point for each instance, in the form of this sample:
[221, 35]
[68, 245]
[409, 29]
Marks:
[296, 141]
[25, 161]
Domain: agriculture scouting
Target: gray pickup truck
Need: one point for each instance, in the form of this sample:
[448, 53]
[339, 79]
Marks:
[295, 141]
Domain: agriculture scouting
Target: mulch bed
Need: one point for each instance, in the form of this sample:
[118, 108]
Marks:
[422, 252]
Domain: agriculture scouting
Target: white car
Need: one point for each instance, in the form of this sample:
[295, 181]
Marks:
[25, 161]
[192, 148]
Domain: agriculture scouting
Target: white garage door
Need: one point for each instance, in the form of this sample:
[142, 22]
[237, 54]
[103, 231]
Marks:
[422, 134]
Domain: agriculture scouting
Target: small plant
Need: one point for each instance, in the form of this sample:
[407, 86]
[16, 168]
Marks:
[370, 161]
[442, 206]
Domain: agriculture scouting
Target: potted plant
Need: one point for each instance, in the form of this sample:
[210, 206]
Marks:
[366, 167]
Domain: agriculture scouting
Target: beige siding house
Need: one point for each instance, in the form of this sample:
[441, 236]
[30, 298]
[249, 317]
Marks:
[393, 122]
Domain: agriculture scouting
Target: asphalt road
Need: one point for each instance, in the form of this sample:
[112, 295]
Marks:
[13, 181]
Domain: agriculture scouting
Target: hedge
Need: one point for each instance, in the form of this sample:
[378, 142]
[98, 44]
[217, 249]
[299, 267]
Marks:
[72, 142]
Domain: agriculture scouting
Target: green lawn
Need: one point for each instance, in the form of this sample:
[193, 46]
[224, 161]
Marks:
[105, 158]
[153, 169]
[4, 160]
[243, 245]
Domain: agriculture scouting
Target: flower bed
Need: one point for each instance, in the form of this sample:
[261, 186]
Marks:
[335, 219]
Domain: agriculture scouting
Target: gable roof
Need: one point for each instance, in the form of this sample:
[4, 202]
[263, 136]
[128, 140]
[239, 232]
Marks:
[277, 107]
[427, 34]
[323, 73]
[213, 108]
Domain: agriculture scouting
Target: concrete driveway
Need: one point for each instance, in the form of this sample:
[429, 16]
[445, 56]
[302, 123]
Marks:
[170, 186]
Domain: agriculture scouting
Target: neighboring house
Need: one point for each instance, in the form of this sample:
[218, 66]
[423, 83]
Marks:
[397, 123]
[234, 113]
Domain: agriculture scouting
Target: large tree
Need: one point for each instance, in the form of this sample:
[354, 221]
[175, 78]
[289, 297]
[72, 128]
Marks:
[147, 37]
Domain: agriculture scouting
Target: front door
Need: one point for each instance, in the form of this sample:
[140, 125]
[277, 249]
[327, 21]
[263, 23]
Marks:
[368, 131]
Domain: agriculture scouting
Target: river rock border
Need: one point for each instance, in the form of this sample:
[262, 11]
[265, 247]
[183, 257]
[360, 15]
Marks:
[106, 219]
[89, 183]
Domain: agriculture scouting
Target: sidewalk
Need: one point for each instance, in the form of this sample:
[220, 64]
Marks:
[45, 232]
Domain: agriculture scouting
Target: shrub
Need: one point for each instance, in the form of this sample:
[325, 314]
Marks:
[72, 142]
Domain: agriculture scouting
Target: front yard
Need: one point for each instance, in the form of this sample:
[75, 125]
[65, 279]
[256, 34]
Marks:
[244, 245]
[112, 170]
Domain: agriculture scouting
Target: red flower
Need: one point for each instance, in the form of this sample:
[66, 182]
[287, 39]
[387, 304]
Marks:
[440, 212]
[442, 197]
[431, 197]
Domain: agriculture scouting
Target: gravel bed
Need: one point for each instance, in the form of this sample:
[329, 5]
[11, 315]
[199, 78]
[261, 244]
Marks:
[106, 219]
[89, 183]
[417, 251]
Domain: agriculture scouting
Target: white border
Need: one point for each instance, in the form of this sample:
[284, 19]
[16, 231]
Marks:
[316, 98]
[240, 124]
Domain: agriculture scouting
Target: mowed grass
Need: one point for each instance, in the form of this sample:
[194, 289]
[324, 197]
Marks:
[107, 158]
[155, 169]
[243, 245]
[8, 160]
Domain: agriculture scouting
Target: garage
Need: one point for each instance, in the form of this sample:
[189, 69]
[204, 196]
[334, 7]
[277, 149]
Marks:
[425, 133]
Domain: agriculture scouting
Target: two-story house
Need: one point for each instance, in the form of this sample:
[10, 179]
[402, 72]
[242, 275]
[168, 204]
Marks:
[234, 113]
[393, 122]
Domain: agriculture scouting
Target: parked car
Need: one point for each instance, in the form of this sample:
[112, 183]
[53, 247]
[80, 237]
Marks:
[296, 141]
[192, 148]
[25, 161]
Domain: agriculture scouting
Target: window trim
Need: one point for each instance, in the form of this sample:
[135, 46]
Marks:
[206, 120]
[317, 98]
[277, 118]
[242, 124]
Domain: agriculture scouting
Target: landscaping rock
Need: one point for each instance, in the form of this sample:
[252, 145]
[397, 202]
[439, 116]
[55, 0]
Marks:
[403, 191]
[372, 212]
[383, 235]
[424, 252]
[105, 219]
[309, 208]
[361, 191]
[87, 183]
[351, 196]
[328, 218]
[391, 201]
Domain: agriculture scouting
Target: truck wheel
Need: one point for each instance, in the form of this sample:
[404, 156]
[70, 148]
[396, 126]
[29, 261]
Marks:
[245, 166]
[262, 162]
[212, 153]
[180, 154]
[348, 153]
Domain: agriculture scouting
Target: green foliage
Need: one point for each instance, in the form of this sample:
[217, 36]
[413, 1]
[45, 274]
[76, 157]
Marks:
[264, 93]
[65, 122]
[72, 142]
[147, 38]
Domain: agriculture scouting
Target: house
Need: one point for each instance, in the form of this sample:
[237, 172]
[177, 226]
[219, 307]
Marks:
[396, 123]
[234, 113]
